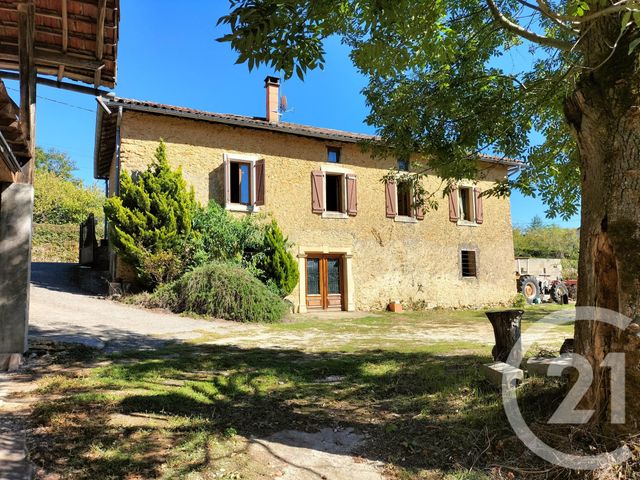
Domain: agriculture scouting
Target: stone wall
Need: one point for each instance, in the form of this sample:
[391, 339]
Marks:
[417, 263]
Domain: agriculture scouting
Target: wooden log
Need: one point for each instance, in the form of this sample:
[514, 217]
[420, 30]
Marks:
[506, 329]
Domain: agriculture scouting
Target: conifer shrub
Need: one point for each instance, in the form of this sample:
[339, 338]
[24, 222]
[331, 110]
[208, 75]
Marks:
[221, 290]
[152, 214]
[278, 268]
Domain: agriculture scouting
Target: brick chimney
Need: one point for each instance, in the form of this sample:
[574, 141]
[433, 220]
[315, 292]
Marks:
[272, 84]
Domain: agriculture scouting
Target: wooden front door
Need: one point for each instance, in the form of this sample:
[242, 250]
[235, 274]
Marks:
[325, 282]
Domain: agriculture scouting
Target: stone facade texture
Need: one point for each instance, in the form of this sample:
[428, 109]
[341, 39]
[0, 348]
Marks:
[417, 263]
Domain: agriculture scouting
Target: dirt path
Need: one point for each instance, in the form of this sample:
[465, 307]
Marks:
[61, 311]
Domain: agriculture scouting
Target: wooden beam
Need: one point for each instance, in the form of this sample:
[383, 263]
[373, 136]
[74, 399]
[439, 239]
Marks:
[28, 75]
[72, 87]
[65, 36]
[102, 14]
[53, 58]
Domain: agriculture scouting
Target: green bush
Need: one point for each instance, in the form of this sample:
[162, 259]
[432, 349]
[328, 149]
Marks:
[221, 290]
[152, 214]
[278, 267]
[60, 201]
[221, 237]
[519, 301]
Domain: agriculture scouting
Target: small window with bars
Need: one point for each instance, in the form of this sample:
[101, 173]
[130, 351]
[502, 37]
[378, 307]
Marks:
[469, 264]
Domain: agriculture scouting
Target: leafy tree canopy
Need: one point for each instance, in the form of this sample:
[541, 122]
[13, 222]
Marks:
[546, 241]
[434, 84]
[56, 162]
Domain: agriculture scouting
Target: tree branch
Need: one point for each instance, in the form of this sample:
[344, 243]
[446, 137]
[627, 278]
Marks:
[527, 34]
[541, 9]
[621, 6]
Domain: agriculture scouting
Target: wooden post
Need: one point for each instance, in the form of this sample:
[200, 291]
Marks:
[28, 74]
[506, 328]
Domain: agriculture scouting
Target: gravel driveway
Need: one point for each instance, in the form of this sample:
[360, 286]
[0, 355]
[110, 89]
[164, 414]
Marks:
[61, 311]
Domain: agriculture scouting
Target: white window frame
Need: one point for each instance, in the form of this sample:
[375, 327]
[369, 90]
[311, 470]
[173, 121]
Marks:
[467, 223]
[251, 160]
[334, 169]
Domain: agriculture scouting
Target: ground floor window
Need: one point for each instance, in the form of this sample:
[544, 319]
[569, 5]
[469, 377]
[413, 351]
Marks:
[469, 263]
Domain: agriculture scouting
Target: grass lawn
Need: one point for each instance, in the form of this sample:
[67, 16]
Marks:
[186, 411]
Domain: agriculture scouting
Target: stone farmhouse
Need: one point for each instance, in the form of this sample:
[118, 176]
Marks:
[359, 242]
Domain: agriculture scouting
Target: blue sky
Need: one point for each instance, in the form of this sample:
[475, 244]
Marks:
[185, 66]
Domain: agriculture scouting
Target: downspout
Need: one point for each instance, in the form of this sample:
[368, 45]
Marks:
[118, 123]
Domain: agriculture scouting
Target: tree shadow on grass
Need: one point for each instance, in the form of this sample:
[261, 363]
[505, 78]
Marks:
[418, 410]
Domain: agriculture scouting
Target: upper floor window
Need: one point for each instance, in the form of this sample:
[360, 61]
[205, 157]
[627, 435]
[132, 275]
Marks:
[240, 182]
[400, 204]
[333, 154]
[403, 165]
[244, 179]
[404, 201]
[466, 206]
[334, 193]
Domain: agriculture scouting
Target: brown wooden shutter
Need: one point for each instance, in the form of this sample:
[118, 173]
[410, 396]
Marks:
[453, 205]
[419, 211]
[227, 180]
[317, 192]
[259, 179]
[352, 195]
[479, 206]
[391, 199]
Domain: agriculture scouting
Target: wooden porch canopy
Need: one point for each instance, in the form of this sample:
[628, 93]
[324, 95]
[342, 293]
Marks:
[48, 42]
[74, 39]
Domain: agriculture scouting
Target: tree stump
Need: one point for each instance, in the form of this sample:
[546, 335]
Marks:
[506, 329]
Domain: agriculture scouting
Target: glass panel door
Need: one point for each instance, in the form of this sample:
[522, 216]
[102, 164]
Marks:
[333, 276]
[313, 276]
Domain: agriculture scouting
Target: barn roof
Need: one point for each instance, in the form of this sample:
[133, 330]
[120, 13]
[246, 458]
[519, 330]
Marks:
[74, 39]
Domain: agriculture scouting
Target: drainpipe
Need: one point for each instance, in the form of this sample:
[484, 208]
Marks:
[118, 123]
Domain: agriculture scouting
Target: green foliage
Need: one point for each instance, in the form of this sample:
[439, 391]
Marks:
[55, 243]
[549, 241]
[58, 200]
[56, 162]
[278, 267]
[570, 268]
[519, 301]
[222, 237]
[152, 214]
[436, 85]
[221, 290]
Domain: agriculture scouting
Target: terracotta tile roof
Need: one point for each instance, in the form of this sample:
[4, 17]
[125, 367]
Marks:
[241, 120]
[103, 156]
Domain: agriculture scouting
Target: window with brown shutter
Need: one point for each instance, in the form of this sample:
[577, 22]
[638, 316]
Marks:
[390, 199]
[453, 205]
[259, 177]
[352, 195]
[244, 182]
[317, 192]
[479, 206]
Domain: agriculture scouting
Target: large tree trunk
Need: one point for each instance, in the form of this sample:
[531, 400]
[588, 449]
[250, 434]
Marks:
[604, 112]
